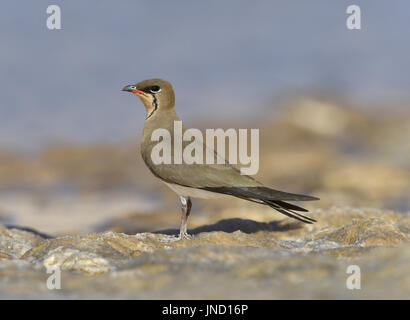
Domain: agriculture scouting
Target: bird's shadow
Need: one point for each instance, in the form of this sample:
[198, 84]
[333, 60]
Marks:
[27, 229]
[238, 224]
[225, 225]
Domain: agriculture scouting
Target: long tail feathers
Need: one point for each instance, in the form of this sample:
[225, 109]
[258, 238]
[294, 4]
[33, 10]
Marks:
[289, 212]
[272, 198]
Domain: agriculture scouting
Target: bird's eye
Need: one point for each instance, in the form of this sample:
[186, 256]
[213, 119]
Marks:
[155, 89]
[133, 87]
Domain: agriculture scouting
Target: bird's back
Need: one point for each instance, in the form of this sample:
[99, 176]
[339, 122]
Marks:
[191, 175]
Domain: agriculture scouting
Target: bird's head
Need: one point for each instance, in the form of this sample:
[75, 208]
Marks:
[155, 94]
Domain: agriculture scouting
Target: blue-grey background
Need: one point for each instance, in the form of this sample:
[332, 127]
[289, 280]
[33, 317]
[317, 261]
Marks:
[226, 59]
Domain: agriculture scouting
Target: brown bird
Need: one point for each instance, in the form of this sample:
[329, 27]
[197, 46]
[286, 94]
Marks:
[201, 180]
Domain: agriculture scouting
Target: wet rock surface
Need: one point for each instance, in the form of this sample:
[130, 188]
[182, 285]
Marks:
[233, 258]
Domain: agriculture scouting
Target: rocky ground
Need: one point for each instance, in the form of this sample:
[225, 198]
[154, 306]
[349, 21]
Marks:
[104, 220]
[234, 258]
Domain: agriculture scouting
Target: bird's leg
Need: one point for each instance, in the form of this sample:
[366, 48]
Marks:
[186, 210]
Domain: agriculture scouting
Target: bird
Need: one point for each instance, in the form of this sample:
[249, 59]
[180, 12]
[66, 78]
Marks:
[206, 181]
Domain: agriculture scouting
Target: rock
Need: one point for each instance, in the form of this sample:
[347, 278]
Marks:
[235, 258]
[376, 180]
[365, 233]
[4, 256]
[320, 117]
[14, 243]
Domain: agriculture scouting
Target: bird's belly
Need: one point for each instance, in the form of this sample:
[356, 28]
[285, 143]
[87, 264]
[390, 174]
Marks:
[193, 193]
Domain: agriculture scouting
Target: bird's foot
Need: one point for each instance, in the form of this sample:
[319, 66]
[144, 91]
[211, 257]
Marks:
[184, 235]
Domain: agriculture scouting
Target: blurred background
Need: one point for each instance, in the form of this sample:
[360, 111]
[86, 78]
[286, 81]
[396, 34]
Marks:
[332, 105]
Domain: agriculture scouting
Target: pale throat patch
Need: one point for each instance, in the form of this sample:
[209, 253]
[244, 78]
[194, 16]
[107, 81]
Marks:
[153, 107]
[151, 104]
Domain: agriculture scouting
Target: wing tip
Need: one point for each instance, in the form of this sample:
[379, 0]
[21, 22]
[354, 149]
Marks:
[291, 213]
[311, 198]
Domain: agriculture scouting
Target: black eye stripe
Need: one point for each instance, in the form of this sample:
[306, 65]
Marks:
[152, 89]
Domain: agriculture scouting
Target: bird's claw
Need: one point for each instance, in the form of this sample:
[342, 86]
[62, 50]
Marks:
[184, 235]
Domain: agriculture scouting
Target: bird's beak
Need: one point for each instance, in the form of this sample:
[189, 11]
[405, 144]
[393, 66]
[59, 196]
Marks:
[127, 88]
[132, 89]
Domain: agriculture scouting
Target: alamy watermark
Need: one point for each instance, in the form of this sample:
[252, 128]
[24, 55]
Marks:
[54, 280]
[54, 19]
[200, 151]
[353, 282]
[354, 20]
